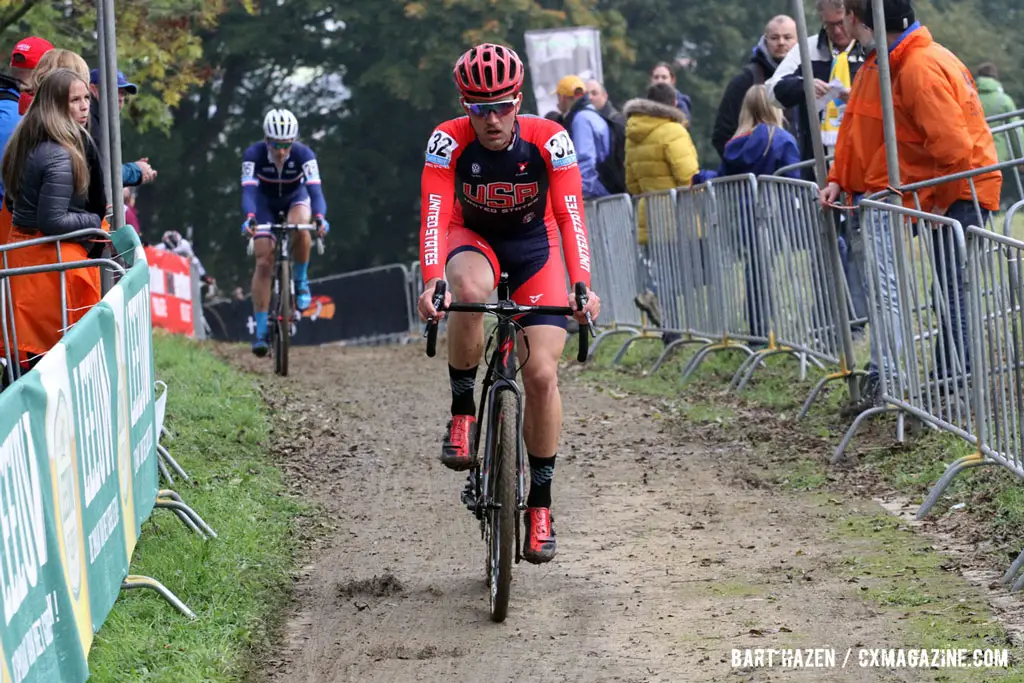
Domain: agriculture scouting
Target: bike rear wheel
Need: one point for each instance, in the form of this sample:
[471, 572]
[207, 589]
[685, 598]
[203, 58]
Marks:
[283, 319]
[502, 521]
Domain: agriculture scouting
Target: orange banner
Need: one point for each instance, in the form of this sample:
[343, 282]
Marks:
[170, 289]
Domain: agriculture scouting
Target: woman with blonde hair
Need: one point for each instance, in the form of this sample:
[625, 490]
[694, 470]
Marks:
[66, 59]
[47, 180]
[761, 145]
[58, 58]
[55, 58]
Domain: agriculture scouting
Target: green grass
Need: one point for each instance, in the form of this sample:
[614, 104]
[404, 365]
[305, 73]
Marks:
[1016, 227]
[238, 583]
[897, 571]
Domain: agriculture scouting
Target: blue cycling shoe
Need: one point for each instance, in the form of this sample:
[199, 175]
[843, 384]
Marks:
[260, 347]
[303, 298]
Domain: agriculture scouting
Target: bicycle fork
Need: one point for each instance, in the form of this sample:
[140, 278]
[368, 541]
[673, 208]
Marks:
[500, 377]
[284, 256]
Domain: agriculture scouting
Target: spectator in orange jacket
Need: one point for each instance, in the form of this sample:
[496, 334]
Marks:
[941, 130]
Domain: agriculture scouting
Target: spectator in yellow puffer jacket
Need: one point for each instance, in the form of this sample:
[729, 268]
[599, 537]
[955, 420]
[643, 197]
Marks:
[659, 156]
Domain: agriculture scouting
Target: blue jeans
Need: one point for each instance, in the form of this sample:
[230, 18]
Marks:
[851, 253]
[887, 297]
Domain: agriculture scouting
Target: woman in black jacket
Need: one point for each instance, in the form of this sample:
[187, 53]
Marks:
[46, 176]
[58, 58]
[44, 166]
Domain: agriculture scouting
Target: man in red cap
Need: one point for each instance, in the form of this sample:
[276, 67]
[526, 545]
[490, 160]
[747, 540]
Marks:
[24, 59]
[14, 102]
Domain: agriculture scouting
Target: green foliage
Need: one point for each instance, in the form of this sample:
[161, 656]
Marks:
[159, 46]
[376, 78]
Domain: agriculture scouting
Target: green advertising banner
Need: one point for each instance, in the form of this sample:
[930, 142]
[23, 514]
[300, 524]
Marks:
[92, 368]
[131, 306]
[40, 639]
[78, 477]
[130, 302]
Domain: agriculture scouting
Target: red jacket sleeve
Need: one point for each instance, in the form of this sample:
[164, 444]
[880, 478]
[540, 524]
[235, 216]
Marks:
[437, 198]
[566, 196]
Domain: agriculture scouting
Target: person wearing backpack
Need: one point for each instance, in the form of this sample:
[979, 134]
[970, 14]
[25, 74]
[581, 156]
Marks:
[592, 136]
[778, 39]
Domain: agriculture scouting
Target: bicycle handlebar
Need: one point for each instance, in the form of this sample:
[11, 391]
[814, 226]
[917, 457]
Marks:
[284, 227]
[509, 309]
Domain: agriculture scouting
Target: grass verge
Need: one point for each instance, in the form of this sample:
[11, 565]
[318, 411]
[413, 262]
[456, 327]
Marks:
[236, 584]
[886, 562]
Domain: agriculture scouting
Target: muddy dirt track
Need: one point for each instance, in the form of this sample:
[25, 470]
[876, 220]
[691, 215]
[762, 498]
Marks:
[667, 560]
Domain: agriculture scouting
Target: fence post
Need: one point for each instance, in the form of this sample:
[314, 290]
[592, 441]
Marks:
[198, 320]
[847, 359]
[110, 116]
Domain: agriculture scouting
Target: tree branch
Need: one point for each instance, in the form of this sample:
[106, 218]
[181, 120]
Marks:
[7, 19]
[234, 72]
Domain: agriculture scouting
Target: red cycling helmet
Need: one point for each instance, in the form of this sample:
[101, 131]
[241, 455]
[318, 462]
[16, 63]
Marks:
[489, 72]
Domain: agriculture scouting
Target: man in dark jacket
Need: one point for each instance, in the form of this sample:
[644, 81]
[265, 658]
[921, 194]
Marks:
[599, 98]
[778, 39]
[786, 87]
[132, 172]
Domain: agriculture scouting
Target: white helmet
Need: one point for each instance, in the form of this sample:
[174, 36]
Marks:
[280, 124]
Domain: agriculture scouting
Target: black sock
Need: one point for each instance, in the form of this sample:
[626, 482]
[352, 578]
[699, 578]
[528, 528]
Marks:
[542, 471]
[463, 383]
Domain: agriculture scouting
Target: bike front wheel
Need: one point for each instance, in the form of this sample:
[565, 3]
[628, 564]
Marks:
[502, 517]
[283, 319]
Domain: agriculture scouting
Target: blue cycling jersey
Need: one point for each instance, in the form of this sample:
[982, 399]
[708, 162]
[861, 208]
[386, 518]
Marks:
[278, 186]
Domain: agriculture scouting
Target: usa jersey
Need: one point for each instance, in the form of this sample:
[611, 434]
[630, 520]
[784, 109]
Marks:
[261, 176]
[516, 194]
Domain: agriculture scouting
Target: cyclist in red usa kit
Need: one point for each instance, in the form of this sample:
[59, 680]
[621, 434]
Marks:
[498, 191]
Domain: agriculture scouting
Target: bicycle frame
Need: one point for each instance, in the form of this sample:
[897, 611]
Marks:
[502, 368]
[283, 313]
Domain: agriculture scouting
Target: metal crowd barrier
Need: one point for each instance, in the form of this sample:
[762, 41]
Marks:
[785, 171]
[738, 273]
[1012, 134]
[615, 264]
[415, 289]
[675, 267]
[697, 280]
[806, 165]
[802, 295]
[918, 318]
[736, 263]
[8, 329]
[947, 326]
[998, 118]
[995, 264]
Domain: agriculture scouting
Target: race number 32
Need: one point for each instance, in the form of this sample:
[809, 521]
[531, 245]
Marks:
[561, 149]
[440, 148]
